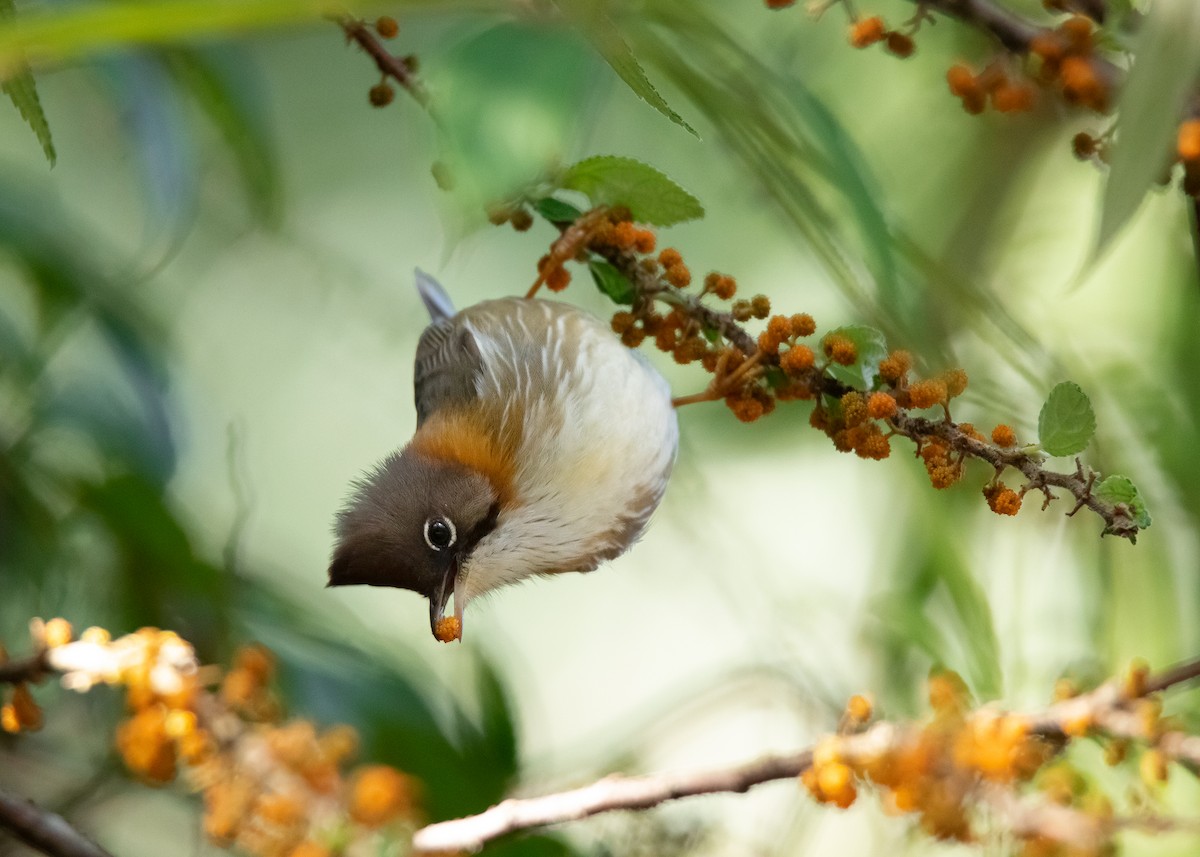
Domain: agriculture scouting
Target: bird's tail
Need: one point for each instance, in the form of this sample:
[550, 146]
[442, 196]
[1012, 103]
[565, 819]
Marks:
[433, 296]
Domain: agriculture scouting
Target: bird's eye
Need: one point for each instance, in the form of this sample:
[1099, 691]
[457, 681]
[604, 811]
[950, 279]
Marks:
[439, 533]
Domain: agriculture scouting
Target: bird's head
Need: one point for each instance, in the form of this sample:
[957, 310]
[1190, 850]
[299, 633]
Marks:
[412, 524]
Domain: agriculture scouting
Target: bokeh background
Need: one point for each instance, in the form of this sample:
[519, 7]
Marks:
[207, 324]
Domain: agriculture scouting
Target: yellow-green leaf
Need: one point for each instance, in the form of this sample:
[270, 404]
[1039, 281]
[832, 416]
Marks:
[21, 89]
[1066, 423]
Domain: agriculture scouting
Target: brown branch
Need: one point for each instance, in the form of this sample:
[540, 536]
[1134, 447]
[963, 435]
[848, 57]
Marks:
[33, 668]
[610, 793]
[651, 286]
[389, 65]
[1109, 707]
[43, 830]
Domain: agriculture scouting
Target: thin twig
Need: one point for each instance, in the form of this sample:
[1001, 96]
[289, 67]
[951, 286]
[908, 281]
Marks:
[1107, 707]
[45, 831]
[388, 64]
[610, 793]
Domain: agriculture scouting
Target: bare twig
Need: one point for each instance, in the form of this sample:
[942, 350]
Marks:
[1108, 707]
[614, 792]
[44, 831]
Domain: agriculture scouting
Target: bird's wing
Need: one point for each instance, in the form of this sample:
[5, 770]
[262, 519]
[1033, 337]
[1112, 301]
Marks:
[447, 368]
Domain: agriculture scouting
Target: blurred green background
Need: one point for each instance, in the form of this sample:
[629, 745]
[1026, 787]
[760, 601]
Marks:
[207, 324]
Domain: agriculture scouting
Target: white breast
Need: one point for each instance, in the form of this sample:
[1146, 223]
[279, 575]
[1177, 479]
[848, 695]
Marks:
[598, 439]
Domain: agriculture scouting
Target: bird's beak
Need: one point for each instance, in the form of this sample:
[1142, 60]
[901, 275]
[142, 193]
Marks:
[441, 596]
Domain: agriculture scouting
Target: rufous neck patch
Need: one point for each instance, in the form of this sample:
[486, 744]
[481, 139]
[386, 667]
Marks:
[464, 439]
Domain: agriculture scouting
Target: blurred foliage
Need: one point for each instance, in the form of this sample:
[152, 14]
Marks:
[90, 434]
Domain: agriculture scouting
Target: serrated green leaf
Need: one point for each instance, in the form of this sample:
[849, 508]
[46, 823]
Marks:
[556, 211]
[871, 347]
[21, 89]
[611, 45]
[1166, 65]
[612, 282]
[649, 195]
[1067, 422]
[1120, 489]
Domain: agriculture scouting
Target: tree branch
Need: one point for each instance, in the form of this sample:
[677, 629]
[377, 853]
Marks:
[43, 830]
[33, 668]
[610, 793]
[1108, 707]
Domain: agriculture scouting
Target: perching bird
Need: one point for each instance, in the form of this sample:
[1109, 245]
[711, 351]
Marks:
[542, 445]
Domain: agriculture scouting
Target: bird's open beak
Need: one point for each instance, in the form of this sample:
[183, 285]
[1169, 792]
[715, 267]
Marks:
[439, 599]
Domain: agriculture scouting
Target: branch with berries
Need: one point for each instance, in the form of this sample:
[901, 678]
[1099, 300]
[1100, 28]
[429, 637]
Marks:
[960, 772]
[1079, 57]
[864, 395]
[270, 786]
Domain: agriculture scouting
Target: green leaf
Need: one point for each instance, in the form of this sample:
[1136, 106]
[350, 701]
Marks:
[21, 89]
[1120, 489]
[1152, 101]
[612, 282]
[648, 194]
[871, 347]
[611, 45]
[557, 211]
[1066, 423]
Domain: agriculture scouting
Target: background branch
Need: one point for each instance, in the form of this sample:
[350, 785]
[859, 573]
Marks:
[44, 831]
[1107, 706]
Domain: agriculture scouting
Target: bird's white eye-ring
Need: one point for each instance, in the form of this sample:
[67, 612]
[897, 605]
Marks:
[440, 533]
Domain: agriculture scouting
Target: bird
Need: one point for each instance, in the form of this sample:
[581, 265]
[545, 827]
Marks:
[542, 446]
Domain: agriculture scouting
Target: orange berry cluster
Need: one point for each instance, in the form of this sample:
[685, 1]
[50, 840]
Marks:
[934, 769]
[1066, 60]
[865, 32]
[1007, 95]
[448, 629]
[270, 788]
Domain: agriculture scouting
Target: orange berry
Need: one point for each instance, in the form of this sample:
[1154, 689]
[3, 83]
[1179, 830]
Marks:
[881, 406]
[899, 44]
[874, 445]
[961, 79]
[859, 708]
[558, 279]
[955, 381]
[803, 324]
[760, 305]
[58, 632]
[448, 629]
[1188, 141]
[1078, 32]
[1003, 435]
[28, 712]
[927, 393]
[256, 660]
[867, 31]
[387, 27]
[1048, 45]
[9, 721]
[622, 321]
[1081, 83]
[839, 349]
[678, 275]
[1002, 500]
[895, 366]
[644, 241]
[670, 257]
[1014, 97]
[797, 359]
[521, 220]
[380, 794]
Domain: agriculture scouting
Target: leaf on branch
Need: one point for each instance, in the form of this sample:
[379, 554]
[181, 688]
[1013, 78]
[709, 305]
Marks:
[557, 211]
[612, 282]
[1120, 489]
[1067, 422]
[1150, 106]
[649, 195]
[870, 346]
[21, 89]
[611, 45]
